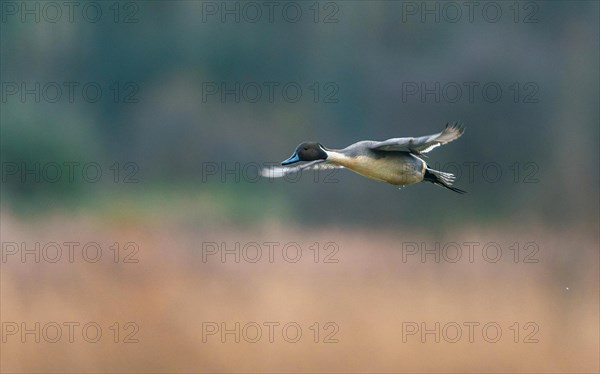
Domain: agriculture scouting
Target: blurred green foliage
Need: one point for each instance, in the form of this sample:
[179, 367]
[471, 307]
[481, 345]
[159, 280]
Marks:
[173, 134]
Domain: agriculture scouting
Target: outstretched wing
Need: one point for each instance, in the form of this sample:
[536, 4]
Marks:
[422, 144]
[281, 171]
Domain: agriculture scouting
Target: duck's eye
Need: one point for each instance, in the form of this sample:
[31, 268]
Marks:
[306, 148]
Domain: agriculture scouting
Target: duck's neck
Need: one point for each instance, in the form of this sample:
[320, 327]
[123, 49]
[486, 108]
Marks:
[336, 156]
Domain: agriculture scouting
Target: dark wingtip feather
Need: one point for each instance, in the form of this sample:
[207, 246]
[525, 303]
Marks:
[456, 126]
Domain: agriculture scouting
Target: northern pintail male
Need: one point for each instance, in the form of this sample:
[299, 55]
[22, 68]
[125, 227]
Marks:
[396, 161]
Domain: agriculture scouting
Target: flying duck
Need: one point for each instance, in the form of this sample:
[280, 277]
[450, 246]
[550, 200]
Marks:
[396, 161]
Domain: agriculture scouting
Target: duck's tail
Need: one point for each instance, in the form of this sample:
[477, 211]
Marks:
[441, 179]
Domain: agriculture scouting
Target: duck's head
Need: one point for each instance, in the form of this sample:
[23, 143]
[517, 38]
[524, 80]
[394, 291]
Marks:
[308, 151]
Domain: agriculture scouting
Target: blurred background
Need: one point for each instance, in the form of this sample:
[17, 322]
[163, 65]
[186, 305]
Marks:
[141, 126]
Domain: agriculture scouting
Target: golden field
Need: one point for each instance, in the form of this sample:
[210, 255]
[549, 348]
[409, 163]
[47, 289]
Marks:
[178, 292]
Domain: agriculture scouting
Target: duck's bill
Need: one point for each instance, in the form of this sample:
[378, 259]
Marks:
[291, 160]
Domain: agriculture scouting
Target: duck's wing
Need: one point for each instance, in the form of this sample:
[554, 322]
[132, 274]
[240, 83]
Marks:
[281, 171]
[421, 144]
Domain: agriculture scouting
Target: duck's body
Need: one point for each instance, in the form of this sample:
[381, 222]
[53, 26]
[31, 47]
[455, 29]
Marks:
[395, 161]
[397, 168]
